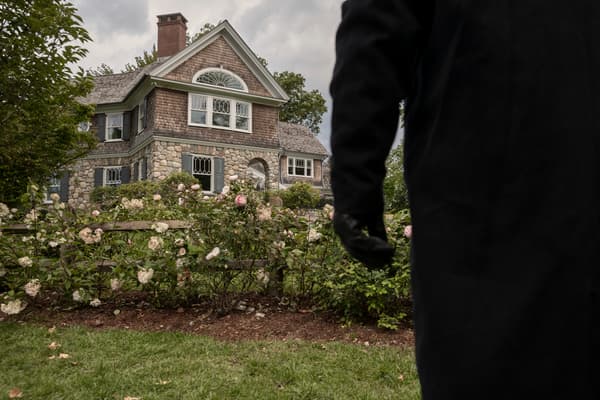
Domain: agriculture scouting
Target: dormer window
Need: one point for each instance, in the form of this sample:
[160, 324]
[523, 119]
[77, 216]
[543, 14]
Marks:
[221, 78]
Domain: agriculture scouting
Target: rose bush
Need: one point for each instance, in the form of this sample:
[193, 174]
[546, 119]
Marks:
[233, 243]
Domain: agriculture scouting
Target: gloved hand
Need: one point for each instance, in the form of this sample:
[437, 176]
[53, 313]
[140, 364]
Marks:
[373, 250]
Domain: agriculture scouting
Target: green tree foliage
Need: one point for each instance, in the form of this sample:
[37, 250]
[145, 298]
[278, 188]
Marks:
[300, 195]
[141, 61]
[207, 27]
[305, 107]
[394, 188]
[39, 111]
[103, 69]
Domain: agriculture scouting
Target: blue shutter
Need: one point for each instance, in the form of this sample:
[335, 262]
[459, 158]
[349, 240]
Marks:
[134, 121]
[187, 163]
[219, 173]
[125, 174]
[144, 162]
[98, 177]
[136, 171]
[145, 121]
[126, 125]
[64, 186]
[101, 127]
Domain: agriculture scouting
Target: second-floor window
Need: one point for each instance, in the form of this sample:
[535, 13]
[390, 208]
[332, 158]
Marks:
[219, 112]
[141, 116]
[114, 127]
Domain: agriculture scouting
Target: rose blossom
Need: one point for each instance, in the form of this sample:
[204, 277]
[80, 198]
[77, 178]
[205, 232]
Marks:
[241, 200]
[160, 227]
[77, 296]
[25, 261]
[180, 242]
[155, 243]
[55, 197]
[157, 197]
[213, 253]
[144, 275]
[95, 213]
[262, 276]
[181, 252]
[13, 307]
[225, 190]
[33, 287]
[313, 235]
[264, 213]
[115, 284]
[95, 303]
[408, 231]
[195, 186]
[233, 178]
[180, 187]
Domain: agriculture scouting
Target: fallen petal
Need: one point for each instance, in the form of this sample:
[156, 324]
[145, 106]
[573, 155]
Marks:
[15, 393]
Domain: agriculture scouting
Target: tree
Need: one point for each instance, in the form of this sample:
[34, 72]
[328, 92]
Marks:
[39, 111]
[304, 107]
[394, 187]
[141, 61]
[103, 69]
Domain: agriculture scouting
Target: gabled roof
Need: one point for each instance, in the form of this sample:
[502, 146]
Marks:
[115, 88]
[225, 30]
[295, 138]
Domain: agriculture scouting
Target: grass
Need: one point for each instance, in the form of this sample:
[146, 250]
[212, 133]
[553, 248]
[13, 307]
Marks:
[116, 364]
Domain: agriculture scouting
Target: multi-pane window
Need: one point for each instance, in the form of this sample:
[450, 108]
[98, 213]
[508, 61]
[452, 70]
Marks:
[219, 112]
[299, 167]
[112, 176]
[202, 170]
[114, 127]
[221, 78]
[53, 186]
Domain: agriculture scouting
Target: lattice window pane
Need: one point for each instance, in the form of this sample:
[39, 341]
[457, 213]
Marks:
[199, 102]
[112, 176]
[221, 112]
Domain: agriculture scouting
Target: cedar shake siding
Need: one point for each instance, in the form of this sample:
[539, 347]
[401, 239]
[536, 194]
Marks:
[217, 54]
[172, 120]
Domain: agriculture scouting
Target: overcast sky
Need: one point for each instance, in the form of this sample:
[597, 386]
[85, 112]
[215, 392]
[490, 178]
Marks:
[293, 35]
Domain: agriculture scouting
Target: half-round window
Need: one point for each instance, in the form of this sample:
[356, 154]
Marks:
[221, 78]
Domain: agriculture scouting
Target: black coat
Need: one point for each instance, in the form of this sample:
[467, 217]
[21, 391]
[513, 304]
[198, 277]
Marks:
[502, 143]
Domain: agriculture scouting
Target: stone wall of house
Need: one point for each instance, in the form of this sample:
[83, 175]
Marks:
[166, 159]
[218, 53]
[81, 178]
[171, 119]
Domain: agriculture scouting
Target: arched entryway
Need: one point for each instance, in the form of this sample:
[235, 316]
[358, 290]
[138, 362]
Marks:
[258, 172]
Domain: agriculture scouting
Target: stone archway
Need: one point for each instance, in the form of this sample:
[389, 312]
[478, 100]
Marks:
[258, 172]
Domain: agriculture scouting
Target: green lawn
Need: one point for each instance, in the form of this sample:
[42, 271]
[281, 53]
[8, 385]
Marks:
[118, 364]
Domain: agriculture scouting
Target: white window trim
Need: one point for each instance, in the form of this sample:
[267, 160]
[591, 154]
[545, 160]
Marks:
[212, 171]
[105, 173]
[140, 169]
[106, 127]
[205, 70]
[209, 113]
[47, 192]
[312, 166]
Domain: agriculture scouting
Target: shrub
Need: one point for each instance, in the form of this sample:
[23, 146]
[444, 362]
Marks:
[300, 195]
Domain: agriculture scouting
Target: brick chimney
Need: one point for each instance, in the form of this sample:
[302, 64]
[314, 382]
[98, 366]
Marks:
[171, 34]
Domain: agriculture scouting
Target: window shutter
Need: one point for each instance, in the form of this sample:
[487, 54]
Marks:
[101, 127]
[98, 177]
[219, 174]
[64, 186]
[145, 121]
[134, 121]
[126, 125]
[144, 162]
[186, 163]
[125, 174]
[136, 171]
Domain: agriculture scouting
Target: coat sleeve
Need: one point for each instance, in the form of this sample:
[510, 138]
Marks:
[377, 45]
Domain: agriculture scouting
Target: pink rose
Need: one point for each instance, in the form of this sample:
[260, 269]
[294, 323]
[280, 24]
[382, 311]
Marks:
[408, 231]
[241, 200]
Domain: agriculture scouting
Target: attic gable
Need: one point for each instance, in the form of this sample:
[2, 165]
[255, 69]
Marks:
[223, 43]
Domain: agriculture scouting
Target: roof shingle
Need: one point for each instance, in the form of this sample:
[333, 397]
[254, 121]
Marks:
[298, 138]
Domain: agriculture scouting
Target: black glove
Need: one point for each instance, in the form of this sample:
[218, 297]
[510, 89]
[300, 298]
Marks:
[373, 250]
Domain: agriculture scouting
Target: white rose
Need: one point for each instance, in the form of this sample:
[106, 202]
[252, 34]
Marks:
[144, 275]
[25, 261]
[115, 284]
[13, 307]
[225, 190]
[180, 187]
[53, 244]
[181, 252]
[313, 235]
[160, 227]
[157, 197]
[95, 303]
[32, 288]
[77, 296]
[55, 197]
[95, 213]
[155, 243]
[213, 253]
[195, 187]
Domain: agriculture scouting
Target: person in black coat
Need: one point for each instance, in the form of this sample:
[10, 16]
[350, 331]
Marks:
[502, 166]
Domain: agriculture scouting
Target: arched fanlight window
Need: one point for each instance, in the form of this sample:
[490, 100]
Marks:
[221, 78]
